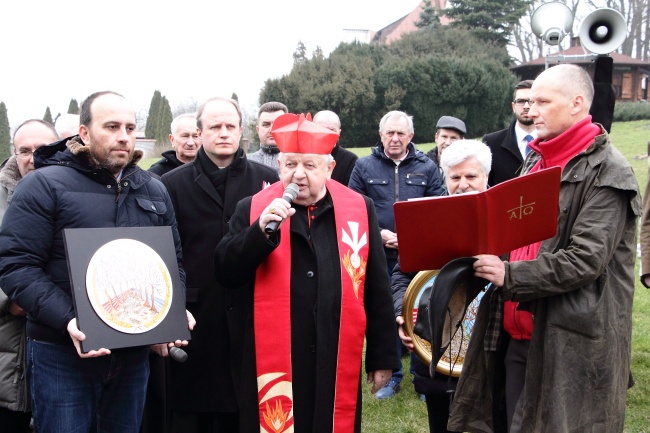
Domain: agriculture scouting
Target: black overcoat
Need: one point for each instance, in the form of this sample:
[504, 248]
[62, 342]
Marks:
[205, 382]
[344, 164]
[315, 309]
[506, 156]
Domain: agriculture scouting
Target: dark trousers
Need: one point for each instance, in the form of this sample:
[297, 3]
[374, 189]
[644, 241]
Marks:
[515, 362]
[438, 412]
[211, 422]
[13, 421]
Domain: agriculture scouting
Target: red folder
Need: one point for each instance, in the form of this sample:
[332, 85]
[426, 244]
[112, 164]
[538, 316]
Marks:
[434, 230]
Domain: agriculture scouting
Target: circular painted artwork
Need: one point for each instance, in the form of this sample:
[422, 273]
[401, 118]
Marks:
[129, 286]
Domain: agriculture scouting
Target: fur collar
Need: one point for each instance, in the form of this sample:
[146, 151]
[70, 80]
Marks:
[9, 173]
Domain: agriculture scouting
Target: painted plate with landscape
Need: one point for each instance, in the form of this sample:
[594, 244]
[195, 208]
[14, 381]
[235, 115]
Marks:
[129, 286]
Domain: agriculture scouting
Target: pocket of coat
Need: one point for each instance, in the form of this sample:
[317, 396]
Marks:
[379, 189]
[416, 179]
[155, 206]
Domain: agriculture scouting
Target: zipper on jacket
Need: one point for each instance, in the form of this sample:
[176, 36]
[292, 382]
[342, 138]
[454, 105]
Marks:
[22, 374]
[119, 185]
[396, 183]
[119, 191]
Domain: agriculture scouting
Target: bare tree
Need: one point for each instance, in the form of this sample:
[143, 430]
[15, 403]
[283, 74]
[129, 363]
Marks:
[524, 46]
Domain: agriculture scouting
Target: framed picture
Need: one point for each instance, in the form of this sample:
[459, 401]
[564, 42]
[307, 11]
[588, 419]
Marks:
[126, 286]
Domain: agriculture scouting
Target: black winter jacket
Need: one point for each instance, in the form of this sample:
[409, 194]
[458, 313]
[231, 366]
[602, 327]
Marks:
[167, 163]
[67, 192]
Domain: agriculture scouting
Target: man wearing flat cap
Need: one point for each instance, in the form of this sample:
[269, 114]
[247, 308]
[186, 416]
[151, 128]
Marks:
[448, 130]
[319, 287]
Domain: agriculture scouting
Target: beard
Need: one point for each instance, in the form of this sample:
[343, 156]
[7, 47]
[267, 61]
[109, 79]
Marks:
[113, 165]
[524, 120]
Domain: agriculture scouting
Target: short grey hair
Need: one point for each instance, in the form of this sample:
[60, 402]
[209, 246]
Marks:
[327, 115]
[395, 113]
[177, 120]
[67, 123]
[461, 150]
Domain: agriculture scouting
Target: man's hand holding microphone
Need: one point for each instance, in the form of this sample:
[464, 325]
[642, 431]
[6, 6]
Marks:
[278, 210]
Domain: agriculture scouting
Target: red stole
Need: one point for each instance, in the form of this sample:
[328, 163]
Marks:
[272, 306]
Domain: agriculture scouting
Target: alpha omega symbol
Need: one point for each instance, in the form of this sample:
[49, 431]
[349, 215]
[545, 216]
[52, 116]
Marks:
[522, 210]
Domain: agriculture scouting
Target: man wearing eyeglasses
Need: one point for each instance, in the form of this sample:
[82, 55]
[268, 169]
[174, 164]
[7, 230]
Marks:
[15, 407]
[509, 146]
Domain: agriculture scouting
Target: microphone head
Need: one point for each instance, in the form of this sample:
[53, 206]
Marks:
[291, 192]
[178, 354]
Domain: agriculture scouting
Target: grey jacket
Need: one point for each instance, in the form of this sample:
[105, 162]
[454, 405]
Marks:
[580, 291]
[14, 393]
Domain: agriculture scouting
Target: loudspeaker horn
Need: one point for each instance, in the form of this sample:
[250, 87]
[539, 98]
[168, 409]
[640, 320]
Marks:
[551, 22]
[603, 31]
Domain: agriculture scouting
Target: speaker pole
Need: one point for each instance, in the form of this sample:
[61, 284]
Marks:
[602, 107]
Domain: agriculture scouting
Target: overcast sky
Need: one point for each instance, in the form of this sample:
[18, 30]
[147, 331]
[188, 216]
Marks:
[53, 51]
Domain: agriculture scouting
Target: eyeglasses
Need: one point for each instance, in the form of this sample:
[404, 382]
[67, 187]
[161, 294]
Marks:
[522, 102]
[24, 153]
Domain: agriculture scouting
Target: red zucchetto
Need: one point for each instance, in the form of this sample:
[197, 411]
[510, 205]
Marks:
[298, 134]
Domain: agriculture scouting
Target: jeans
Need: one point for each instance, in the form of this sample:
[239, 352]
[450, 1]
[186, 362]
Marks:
[71, 394]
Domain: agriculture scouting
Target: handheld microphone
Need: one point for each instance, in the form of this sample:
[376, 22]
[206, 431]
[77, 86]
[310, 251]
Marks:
[178, 354]
[290, 193]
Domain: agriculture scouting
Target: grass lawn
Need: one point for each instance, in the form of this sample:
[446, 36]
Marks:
[405, 413]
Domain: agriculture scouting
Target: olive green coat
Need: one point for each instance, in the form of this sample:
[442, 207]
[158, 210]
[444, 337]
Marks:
[580, 290]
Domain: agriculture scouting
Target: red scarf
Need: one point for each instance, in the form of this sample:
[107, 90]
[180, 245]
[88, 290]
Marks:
[272, 305]
[558, 152]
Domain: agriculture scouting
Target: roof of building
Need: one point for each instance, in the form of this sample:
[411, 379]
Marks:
[406, 24]
[579, 55]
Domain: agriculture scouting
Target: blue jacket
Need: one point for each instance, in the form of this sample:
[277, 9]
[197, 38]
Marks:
[377, 177]
[67, 192]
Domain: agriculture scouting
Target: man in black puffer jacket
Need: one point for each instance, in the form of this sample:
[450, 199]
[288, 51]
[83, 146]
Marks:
[88, 181]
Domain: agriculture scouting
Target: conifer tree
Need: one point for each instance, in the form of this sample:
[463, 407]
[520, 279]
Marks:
[429, 18]
[300, 55]
[48, 116]
[164, 123]
[5, 134]
[73, 108]
[318, 53]
[491, 20]
[154, 114]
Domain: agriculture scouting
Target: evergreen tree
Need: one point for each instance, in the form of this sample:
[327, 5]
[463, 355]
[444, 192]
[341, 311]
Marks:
[48, 116]
[73, 108]
[164, 123]
[428, 73]
[490, 19]
[154, 114]
[5, 134]
[300, 55]
[318, 53]
[429, 18]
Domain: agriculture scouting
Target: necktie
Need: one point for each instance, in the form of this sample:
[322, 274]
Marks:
[528, 138]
